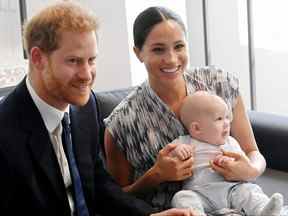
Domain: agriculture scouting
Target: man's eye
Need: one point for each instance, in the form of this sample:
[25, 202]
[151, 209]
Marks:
[73, 61]
[92, 61]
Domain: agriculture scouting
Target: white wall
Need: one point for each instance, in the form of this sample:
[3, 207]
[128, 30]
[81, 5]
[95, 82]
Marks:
[113, 64]
[33, 6]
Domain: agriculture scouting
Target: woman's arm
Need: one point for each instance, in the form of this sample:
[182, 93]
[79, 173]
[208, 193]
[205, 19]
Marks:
[242, 168]
[165, 168]
[242, 131]
[116, 163]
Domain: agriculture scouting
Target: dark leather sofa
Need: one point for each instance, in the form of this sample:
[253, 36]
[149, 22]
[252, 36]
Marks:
[271, 132]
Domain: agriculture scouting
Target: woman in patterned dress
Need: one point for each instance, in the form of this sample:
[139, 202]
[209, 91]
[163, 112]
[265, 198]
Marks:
[141, 127]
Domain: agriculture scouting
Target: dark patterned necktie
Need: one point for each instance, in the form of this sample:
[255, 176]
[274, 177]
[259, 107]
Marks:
[79, 199]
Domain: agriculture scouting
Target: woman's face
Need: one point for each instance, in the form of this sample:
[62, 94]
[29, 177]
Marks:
[164, 53]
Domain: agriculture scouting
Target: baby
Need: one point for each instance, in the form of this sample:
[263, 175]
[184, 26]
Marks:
[207, 119]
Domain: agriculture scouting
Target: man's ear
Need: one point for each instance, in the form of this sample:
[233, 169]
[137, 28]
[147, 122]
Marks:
[194, 129]
[137, 52]
[37, 58]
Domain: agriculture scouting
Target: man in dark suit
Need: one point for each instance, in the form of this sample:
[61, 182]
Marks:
[38, 175]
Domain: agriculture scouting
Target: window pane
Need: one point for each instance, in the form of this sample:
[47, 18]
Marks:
[271, 53]
[227, 40]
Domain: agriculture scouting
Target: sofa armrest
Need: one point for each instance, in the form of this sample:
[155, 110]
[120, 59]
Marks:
[108, 100]
[271, 133]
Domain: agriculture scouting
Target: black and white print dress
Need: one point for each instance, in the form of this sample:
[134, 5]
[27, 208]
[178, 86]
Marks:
[142, 124]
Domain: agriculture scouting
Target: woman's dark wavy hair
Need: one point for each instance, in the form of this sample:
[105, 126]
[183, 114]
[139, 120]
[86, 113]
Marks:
[150, 17]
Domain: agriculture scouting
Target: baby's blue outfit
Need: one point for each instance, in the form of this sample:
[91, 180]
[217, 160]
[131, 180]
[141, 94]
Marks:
[208, 191]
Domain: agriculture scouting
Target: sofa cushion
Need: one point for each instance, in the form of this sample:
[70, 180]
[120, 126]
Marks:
[108, 100]
[271, 134]
[273, 181]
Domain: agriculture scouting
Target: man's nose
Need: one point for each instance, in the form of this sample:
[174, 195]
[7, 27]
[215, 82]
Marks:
[86, 71]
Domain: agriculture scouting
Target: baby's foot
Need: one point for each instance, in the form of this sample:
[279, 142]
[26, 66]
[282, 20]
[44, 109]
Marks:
[274, 206]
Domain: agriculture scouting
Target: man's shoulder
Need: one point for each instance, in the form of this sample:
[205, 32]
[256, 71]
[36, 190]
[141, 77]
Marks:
[9, 107]
[11, 133]
[15, 98]
[15, 109]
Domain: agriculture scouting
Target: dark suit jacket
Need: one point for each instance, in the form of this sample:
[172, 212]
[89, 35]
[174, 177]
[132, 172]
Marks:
[31, 181]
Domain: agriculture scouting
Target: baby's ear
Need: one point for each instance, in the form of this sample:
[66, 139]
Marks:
[194, 129]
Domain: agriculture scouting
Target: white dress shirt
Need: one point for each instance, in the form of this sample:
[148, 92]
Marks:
[52, 118]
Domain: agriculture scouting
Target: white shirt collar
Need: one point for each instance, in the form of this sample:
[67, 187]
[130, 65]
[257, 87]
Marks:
[50, 115]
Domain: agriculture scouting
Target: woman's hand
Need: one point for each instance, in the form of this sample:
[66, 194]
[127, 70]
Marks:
[176, 212]
[234, 167]
[171, 168]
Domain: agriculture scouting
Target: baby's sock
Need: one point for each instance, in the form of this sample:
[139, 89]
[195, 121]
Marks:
[274, 206]
[197, 212]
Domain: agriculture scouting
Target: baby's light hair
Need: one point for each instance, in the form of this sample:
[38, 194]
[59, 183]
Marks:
[196, 105]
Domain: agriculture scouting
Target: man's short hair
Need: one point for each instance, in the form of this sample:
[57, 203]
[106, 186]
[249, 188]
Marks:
[44, 29]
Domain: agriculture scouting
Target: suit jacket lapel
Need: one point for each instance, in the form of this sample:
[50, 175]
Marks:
[81, 139]
[42, 150]
[39, 142]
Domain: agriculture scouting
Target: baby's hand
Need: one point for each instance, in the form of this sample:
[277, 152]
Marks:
[183, 151]
[221, 159]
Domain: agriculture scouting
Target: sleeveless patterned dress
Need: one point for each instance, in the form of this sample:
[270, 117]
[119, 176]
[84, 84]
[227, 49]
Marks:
[142, 124]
